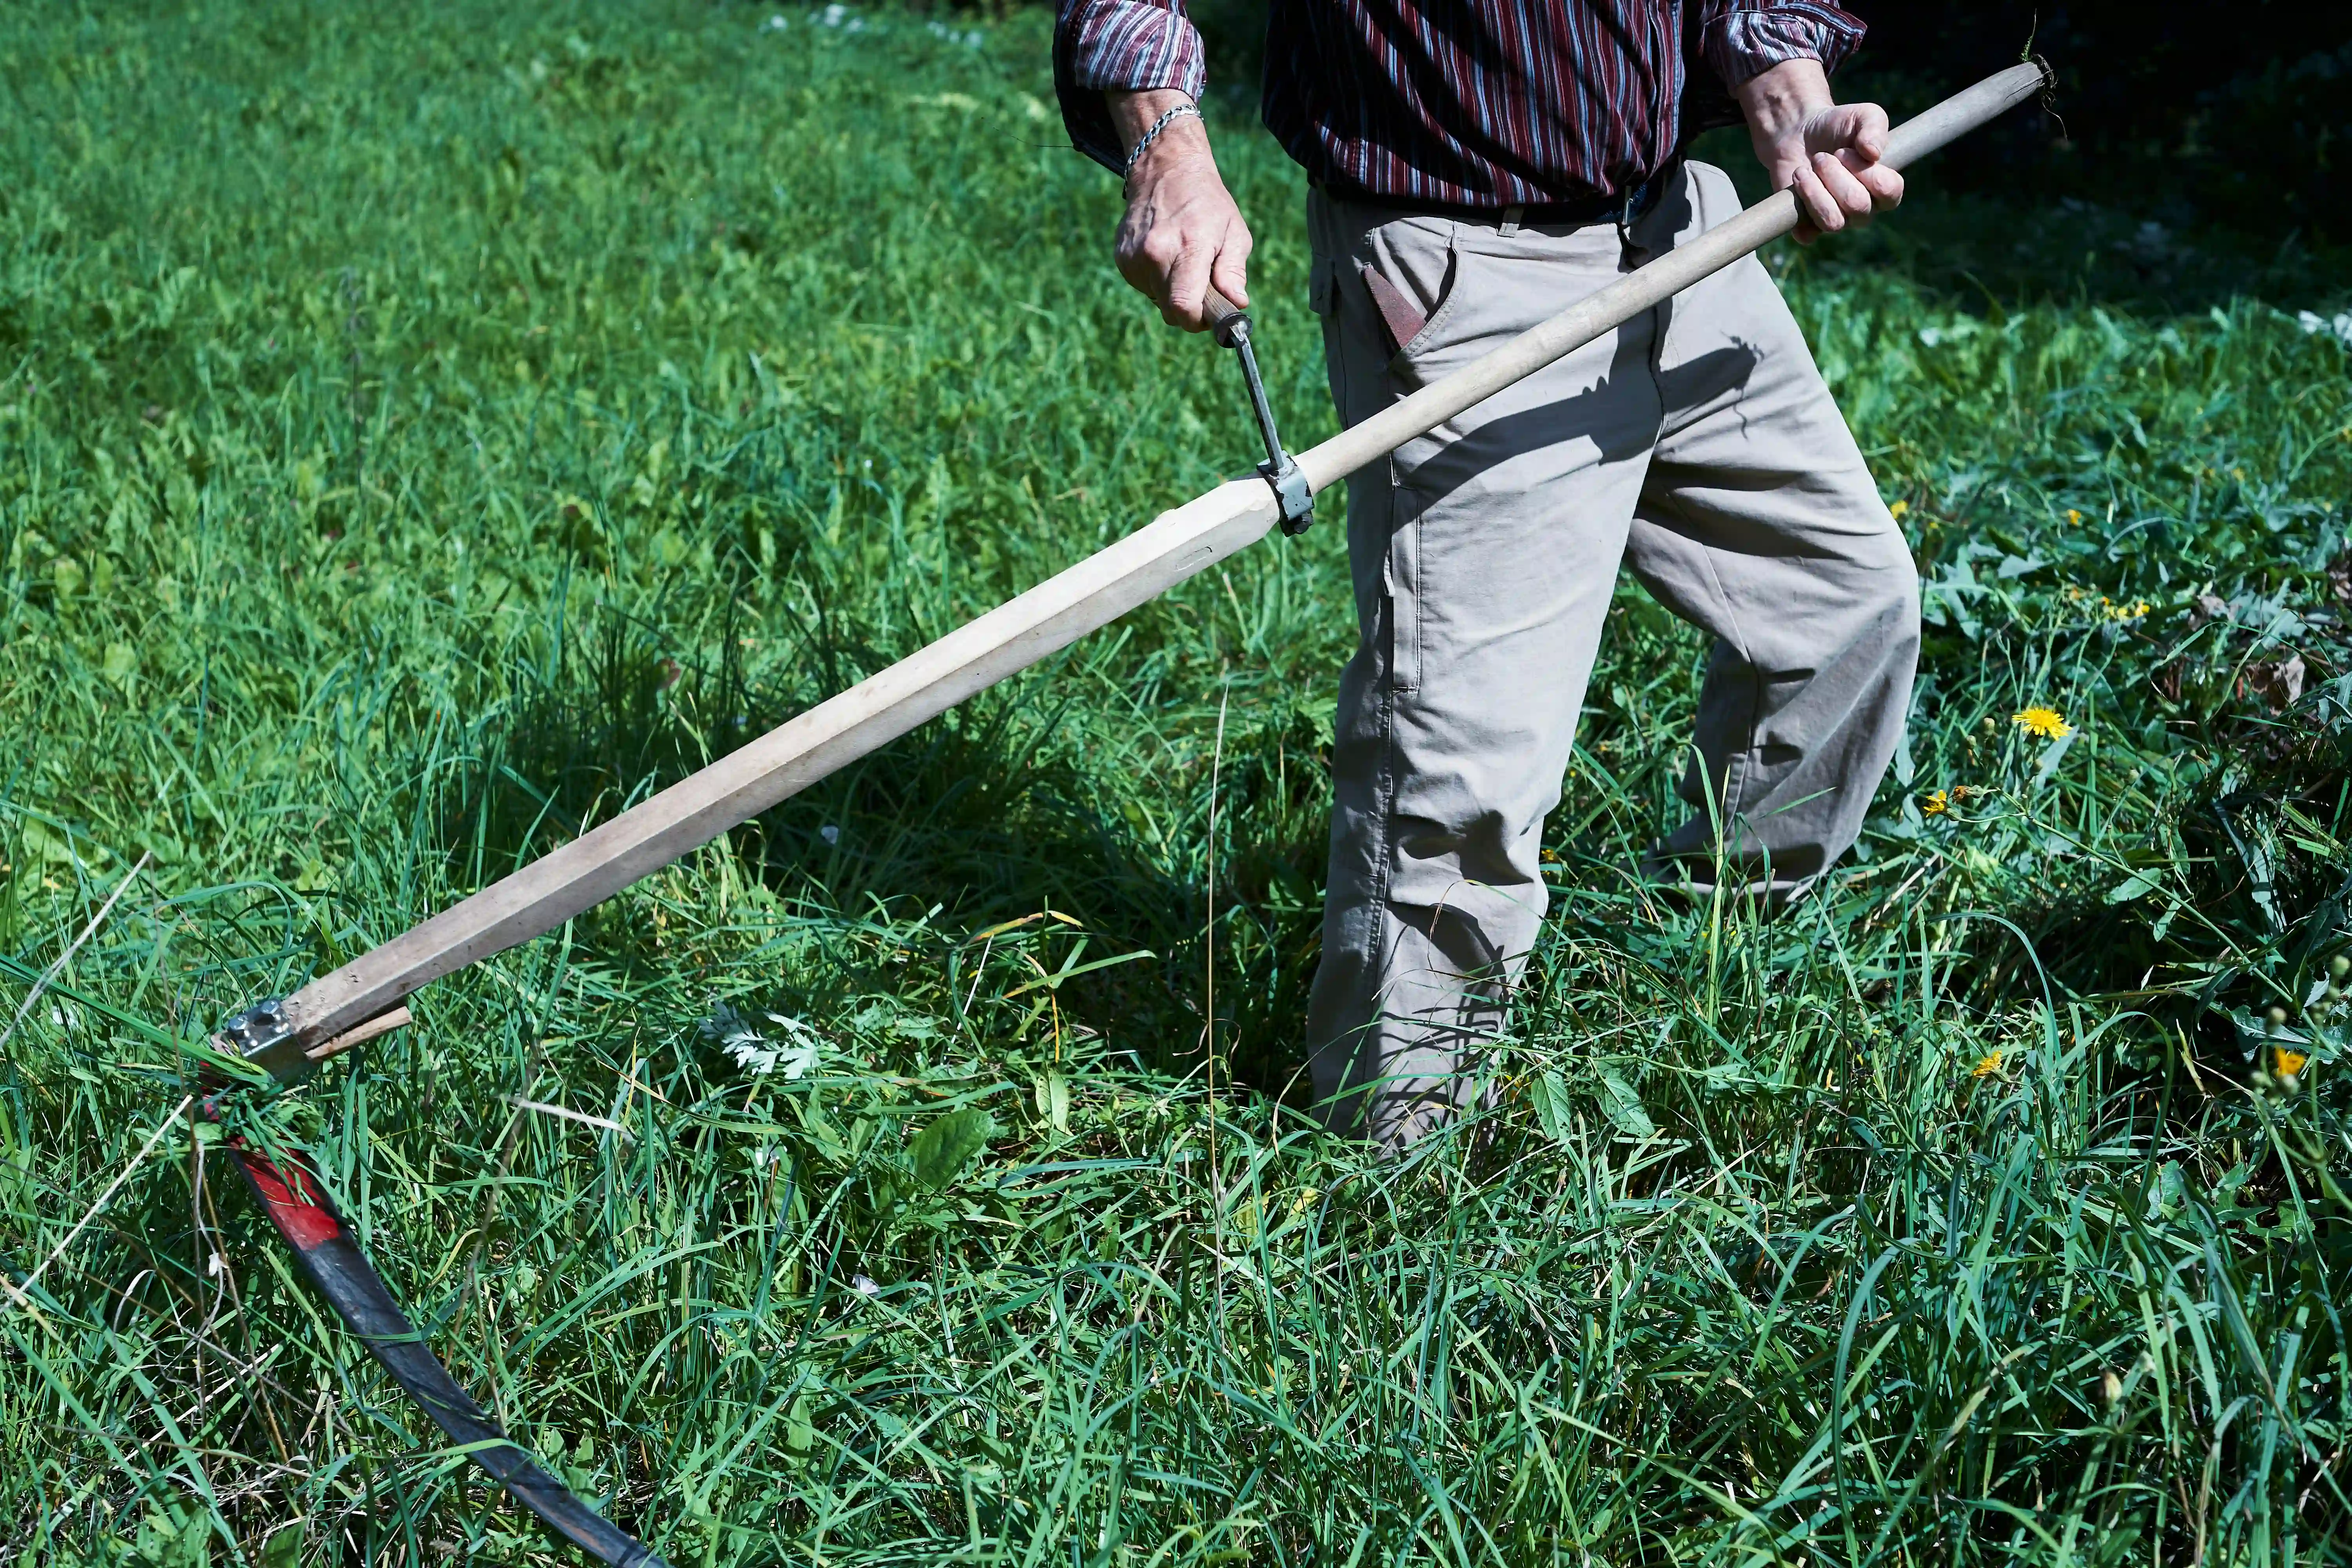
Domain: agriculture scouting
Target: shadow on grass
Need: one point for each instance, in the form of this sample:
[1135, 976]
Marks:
[982, 817]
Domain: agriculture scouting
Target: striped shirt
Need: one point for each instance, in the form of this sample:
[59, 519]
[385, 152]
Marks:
[1471, 103]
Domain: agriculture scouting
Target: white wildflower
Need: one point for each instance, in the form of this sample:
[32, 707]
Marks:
[2339, 326]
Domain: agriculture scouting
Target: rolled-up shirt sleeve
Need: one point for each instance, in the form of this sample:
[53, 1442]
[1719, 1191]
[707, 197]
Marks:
[1130, 45]
[1742, 38]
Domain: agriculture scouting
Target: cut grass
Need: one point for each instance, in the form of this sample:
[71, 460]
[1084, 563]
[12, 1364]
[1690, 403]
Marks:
[426, 430]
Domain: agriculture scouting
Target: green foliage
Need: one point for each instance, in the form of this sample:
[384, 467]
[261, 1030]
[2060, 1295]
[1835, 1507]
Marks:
[939, 1154]
[426, 430]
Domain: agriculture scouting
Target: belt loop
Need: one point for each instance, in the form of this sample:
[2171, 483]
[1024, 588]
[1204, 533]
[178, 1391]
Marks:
[1510, 221]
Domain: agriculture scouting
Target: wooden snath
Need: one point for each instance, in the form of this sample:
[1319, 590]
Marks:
[317, 1021]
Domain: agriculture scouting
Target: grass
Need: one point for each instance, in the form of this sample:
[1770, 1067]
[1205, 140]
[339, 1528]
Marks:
[425, 430]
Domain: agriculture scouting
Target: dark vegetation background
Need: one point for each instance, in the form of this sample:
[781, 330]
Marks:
[2237, 118]
[2231, 115]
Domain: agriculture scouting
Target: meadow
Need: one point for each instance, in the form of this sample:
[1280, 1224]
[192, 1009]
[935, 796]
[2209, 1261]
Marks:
[428, 429]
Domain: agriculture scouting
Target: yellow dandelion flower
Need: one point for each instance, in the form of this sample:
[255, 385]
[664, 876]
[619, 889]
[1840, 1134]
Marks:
[2043, 723]
[1987, 1065]
[1897, 510]
[1937, 803]
[2073, 516]
[2287, 1063]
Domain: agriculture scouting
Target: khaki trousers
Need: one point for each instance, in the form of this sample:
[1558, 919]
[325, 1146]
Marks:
[1698, 446]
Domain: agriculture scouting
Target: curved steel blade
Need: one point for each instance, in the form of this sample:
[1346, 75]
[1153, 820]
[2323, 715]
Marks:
[296, 1202]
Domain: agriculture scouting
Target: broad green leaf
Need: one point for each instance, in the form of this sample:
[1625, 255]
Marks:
[1623, 1106]
[1054, 1101]
[284, 1547]
[2052, 755]
[941, 1150]
[1549, 1095]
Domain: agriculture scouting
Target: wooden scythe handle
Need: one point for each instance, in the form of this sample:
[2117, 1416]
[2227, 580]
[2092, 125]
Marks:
[1017, 634]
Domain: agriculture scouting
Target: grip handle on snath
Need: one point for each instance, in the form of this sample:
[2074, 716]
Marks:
[1228, 323]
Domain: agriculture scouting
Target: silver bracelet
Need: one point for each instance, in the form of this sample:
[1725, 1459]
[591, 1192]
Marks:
[1136, 154]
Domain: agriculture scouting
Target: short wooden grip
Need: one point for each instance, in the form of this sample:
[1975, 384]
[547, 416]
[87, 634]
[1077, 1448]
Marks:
[383, 1024]
[1227, 321]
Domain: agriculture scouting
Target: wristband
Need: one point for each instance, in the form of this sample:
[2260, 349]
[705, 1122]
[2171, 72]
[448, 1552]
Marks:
[1136, 153]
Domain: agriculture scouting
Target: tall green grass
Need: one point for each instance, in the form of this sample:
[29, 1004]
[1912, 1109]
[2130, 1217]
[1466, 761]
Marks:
[426, 430]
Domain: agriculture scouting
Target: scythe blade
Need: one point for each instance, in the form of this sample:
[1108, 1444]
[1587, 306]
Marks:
[290, 1193]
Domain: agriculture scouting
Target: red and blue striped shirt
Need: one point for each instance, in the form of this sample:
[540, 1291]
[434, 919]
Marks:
[1471, 103]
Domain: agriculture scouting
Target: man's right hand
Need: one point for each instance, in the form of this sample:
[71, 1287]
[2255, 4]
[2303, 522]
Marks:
[1182, 231]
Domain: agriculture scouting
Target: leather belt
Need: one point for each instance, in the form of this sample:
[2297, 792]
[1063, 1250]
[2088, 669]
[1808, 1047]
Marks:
[1622, 208]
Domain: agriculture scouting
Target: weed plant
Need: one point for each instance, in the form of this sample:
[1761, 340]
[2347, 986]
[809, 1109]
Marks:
[426, 430]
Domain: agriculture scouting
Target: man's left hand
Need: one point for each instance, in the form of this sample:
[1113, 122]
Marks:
[1827, 152]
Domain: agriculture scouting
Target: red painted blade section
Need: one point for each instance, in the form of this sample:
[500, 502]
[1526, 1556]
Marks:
[296, 1200]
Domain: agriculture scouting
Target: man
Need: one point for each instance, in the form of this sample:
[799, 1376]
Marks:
[1477, 166]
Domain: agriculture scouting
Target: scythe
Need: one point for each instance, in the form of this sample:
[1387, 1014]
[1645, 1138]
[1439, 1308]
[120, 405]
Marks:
[282, 1039]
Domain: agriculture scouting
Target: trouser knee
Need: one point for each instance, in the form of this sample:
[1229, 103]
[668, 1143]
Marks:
[1887, 598]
